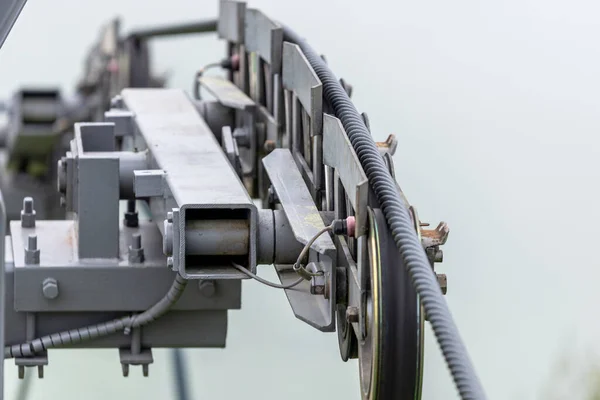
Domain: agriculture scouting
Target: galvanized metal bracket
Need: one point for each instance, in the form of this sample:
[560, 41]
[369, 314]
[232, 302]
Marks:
[299, 78]
[226, 93]
[264, 37]
[305, 221]
[338, 153]
[230, 25]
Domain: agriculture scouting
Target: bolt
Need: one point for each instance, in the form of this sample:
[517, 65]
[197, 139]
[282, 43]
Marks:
[125, 369]
[269, 146]
[32, 242]
[170, 262]
[170, 217]
[352, 315]
[28, 213]
[40, 371]
[136, 251]
[272, 198]
[317, 289]
[443, 281]
[50, 288]
[21, 371]
[439, 256]
[207, 288]
[130, 218]
[32, 253]
[136, 242]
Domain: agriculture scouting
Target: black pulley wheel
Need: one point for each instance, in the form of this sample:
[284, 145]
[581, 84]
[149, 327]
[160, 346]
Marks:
[391, 345]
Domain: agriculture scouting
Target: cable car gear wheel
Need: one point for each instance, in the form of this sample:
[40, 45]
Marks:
[390, 355]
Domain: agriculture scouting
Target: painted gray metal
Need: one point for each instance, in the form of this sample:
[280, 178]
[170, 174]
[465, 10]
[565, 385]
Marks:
[230, 25]
[264, 37]
[299, 78]
[297, 203]
[103, 285]
[339, 154]
[198, 175]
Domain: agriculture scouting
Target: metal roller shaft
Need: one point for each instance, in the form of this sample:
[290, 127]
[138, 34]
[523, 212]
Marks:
[217, 237]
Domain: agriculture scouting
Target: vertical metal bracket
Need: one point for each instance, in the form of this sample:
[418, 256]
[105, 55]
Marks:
[338, 153]
[230, 25]
[305, 221]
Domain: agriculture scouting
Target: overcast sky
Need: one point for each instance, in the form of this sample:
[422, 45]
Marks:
[495, 106]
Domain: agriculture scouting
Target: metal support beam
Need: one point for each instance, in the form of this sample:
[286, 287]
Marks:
[9, 12]
[199, 182]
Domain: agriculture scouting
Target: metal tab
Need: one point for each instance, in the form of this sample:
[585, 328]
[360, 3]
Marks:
[299, 78]
[264, 37]
[230, 25]
[226, 93]
[148, 183]
[307, 307]
[339, 154]
[304, 217]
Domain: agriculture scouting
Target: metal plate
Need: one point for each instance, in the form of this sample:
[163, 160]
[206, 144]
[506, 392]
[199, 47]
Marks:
[304, 217]
[299, 78]
[264, 37]
[339, 154]
[226, 93]
[103, 285]
[230, 25]
[306, 306]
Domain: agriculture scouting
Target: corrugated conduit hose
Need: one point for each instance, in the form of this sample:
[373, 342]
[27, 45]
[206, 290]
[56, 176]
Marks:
[124, 324]
[399, 222]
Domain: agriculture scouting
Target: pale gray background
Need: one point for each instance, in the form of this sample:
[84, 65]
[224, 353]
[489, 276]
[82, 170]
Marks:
[495, 105]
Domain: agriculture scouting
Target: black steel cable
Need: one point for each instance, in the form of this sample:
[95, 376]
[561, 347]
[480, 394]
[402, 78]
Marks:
[399, 222]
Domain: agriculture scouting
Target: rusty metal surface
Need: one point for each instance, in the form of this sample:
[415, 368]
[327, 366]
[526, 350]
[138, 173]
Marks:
[389, 145]
[435, 237]
[264, 37]
[101, 285]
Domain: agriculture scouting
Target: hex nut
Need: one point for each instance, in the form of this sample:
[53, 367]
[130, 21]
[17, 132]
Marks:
[352, 315]
[50, 288]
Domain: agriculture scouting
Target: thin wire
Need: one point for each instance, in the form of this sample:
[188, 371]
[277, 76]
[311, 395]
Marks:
[199, 74]
[297, 265]
[264, 281]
